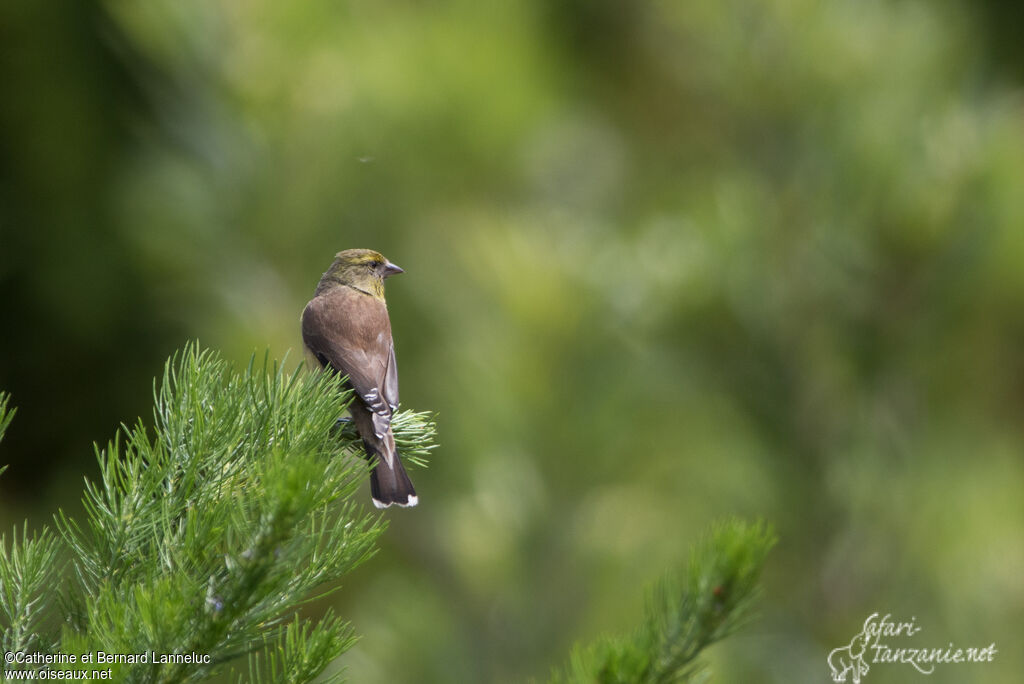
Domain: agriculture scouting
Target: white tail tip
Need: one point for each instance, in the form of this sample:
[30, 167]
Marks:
[410, 502]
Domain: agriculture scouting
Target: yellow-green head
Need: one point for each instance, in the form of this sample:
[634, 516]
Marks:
[362, 269]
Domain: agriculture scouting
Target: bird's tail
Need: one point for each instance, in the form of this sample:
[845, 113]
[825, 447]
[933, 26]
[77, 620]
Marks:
[391, 485]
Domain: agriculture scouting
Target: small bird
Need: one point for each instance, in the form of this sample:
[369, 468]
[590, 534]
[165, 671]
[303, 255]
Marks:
[346, 327]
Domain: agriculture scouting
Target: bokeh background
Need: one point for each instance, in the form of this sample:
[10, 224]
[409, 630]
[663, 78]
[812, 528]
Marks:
[665, 262]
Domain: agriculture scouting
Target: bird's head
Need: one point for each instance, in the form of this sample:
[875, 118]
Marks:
[362, 269]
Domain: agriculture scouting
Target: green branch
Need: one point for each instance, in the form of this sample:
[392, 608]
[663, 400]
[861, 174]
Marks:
[206, 532]
[687, 611]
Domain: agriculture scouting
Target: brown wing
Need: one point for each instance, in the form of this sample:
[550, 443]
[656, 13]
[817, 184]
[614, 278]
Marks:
[351, 332]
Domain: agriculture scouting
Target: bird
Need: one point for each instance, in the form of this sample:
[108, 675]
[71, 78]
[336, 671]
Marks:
[346, 328]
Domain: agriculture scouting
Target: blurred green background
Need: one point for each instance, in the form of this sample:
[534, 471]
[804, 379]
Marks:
[665, 262]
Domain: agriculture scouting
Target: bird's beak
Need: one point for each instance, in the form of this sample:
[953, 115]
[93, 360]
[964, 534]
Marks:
[390, 269]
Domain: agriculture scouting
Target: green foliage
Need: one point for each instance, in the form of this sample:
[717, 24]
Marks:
[27, 573]
[206, 533]
[296, 654]
[6, 414]
[27, 570]
[686, 612]
[203, 536]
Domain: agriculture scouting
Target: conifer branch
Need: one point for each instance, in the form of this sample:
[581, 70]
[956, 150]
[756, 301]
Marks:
[686, 612]
[207, 531]
[28, 570]
[6, 416]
